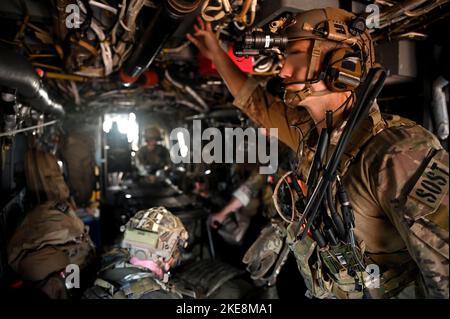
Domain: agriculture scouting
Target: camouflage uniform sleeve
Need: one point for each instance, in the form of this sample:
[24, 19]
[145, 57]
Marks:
[165, 156]
[140, 154]
[140, 161]
[411, 185]
[270, 112]
[250, 188]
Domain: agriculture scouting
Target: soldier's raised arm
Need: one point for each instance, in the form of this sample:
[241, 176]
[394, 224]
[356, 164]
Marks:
[205, 40]
[263, 108]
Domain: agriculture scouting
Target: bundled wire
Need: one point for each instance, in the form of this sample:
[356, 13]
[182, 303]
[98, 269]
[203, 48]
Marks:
[403, 19]
[114, 50]
[221, 10]
[103, 6]
[127, 19]
[275, 198]
[203, 107]
[241, 20]
[106, 49]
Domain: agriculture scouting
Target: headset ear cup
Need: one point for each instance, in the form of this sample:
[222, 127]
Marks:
[330, 79]
[344, 70]
[329, 72]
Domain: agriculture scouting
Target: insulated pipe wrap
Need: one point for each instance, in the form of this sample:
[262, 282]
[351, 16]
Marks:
[17, 73]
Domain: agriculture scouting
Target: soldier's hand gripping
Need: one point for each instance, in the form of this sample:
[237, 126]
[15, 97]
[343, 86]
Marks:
[205, 39]
[216, 219]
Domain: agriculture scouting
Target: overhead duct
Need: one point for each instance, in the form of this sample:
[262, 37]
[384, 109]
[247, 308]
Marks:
[166, 21]
[440, 108]
[17, 73]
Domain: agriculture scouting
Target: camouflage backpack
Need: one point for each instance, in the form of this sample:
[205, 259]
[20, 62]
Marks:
[50, 238]
[44, 176]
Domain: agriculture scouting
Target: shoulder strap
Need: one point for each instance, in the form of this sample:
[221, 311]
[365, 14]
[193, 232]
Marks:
[370, 127]
[374, 124]
[395, 120]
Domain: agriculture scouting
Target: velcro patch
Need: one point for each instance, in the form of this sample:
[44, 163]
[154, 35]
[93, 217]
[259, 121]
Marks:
[433, 184]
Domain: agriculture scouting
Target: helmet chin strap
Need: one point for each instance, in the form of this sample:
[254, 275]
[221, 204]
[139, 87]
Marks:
[293, 99]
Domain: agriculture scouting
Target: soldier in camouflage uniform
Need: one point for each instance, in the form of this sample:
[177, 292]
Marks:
[243, 197]
[139, 268]
[253, 196]
[152, 156]
[268, 253]
[395, 171]
[152, 246]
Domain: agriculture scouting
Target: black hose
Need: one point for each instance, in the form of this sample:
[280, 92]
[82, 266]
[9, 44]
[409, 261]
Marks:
[337, 221]
[166, 21]
[329, 231]
[316, 165]
[367, 93]
[17, 73]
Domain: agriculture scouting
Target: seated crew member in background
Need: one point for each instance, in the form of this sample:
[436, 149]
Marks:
[396, 226]
[139, 269]
[115, 139]
[118, 154]
[152, 156]
[145, 266]
[241, 198]
[262, 257]
[255, 184]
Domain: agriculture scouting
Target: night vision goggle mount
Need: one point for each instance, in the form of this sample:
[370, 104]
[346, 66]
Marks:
[342, 68]
[265, 41]
[259, 43]
[274, 37]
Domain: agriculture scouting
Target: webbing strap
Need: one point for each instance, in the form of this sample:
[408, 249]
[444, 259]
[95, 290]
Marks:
[315, 59]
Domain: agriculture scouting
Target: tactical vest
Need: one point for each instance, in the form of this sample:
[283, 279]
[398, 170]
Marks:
[323, 276]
